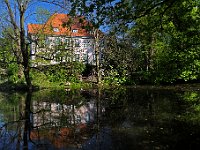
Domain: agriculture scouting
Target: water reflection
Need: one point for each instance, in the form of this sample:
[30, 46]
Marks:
[100, 119]
[59, 124]
[45, 123]
[14, 121]
[53, 113]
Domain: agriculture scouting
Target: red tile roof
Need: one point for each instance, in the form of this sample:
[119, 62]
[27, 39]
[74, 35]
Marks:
[61, 23]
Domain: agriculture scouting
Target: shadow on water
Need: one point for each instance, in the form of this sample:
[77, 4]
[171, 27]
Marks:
[124, 118]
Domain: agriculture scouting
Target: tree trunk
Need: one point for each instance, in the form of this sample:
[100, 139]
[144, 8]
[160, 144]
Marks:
[24, 50]
[17, 53]
[19, 59]
[97, 55]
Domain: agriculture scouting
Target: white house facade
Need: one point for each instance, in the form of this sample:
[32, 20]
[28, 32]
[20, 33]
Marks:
[58, 42]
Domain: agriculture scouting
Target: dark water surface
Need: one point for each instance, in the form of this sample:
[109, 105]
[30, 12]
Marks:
[117, 119]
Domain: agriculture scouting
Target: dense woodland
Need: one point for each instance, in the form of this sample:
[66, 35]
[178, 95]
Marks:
[144, 42]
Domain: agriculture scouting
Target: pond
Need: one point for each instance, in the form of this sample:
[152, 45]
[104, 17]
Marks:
[115, 119]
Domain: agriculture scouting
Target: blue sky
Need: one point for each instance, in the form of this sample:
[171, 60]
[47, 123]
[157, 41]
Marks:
[31, 17]
[32, 9]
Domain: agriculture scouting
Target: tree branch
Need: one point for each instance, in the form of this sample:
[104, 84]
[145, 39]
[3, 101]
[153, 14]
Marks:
[11, 15]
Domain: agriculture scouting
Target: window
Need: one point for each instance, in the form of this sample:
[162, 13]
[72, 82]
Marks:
[75, 30]
[86, 43]
[68, 42]
[77, 43]
[85, 58]
[57, 41]
[33, 48]
[47, 42]
[55, 29]
[58, 107]
[77, 57]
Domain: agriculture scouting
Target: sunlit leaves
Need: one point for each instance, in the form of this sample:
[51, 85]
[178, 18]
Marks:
[172, 34]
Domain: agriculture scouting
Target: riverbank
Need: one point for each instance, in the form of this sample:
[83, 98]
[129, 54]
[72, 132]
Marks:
[8, 86]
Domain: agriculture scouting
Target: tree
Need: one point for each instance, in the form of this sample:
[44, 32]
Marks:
[180, 43]
[167, 34]
[18, 36]
[16, 12]
[122, 60]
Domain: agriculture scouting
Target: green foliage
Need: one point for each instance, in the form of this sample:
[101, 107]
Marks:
[167, 38]
[12, 69]
[75, 71]
[12, 73]
[5, 53]
[60, 73]
[191, 97]
[121, 60]
[113, 77]
[56, 74]
[149, 42]
[192, 112]
[9, 106]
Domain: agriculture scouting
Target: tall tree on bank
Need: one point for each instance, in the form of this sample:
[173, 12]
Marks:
[22, 53]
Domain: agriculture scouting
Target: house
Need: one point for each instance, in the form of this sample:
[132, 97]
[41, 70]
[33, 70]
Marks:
[61, 39]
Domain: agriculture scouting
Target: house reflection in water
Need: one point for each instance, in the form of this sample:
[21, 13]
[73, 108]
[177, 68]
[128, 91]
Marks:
[61, 125]
[55, 113]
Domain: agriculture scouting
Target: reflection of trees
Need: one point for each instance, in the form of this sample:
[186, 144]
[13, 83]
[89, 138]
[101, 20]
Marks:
[11, 105]
[192, 107]
[134, 117]
[150, 118]
[139, 105]
[13, 121]
[46, 122]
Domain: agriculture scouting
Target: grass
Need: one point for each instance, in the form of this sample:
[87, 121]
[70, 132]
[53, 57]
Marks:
[44, 83]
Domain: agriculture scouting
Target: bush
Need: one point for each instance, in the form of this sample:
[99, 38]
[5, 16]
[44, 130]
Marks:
[63, 72]
[13, 74]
